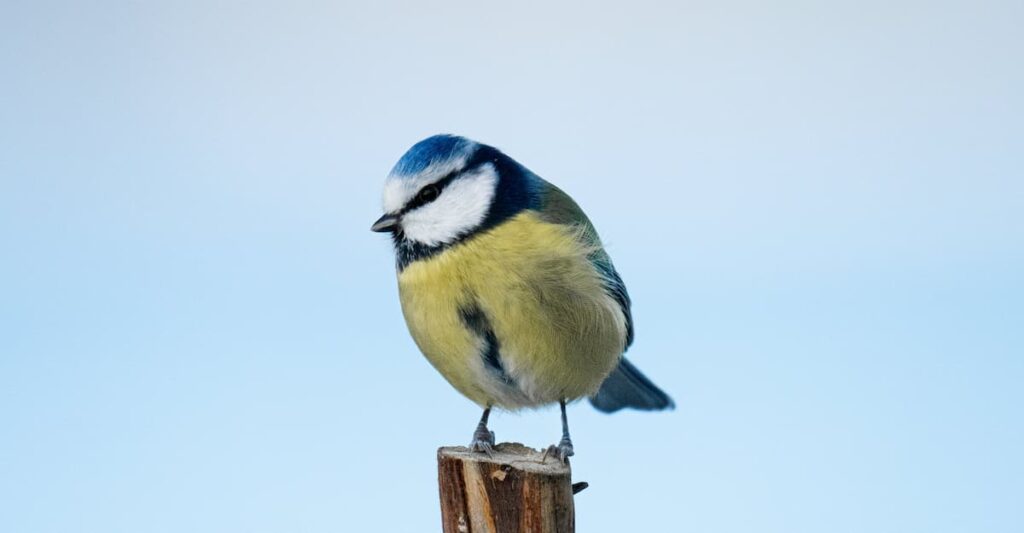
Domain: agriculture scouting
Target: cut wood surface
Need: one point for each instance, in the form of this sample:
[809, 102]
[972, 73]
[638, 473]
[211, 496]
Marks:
[517, 489]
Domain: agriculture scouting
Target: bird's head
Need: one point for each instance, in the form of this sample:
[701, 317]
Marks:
[446, 188]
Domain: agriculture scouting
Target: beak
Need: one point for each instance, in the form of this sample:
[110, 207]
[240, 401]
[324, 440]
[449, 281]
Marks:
[385, 223]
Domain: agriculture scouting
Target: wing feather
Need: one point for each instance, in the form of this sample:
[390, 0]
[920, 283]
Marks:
[559, 208]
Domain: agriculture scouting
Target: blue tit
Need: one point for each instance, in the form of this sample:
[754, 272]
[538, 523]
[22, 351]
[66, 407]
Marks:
[506, 288]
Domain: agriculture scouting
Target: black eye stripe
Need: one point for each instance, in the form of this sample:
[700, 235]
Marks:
[420, 199]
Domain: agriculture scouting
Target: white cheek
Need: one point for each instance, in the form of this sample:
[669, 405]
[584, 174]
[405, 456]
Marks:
[462, 206]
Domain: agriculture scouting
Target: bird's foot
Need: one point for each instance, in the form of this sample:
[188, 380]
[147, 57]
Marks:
[562, 451]
[483, 441]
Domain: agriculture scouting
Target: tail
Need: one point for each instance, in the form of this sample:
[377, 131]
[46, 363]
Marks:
[627, 387]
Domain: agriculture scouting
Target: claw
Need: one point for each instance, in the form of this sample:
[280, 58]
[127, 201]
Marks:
[562, 451]
[483, 442]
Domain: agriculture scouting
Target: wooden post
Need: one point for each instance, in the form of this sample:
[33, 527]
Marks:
[516, 489]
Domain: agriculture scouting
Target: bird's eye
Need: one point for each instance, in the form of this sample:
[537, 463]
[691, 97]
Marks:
[429, 193]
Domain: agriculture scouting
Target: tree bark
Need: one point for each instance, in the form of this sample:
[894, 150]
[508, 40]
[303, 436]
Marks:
[515, 490]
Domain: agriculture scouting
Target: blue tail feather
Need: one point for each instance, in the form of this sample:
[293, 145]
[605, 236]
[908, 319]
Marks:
[628, 387]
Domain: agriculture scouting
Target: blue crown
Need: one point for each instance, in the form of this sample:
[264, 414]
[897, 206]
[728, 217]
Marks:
[432, 150]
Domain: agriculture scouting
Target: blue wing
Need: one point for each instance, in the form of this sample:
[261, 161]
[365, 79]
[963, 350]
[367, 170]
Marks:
[617, 289]
[626, 386]
[560, 208]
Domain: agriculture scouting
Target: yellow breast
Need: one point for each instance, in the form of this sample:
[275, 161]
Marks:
[559, 332]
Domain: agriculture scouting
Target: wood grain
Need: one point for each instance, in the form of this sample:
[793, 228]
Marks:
[516, 489]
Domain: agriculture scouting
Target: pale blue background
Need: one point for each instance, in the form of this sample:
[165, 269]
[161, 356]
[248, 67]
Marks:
[817, 208]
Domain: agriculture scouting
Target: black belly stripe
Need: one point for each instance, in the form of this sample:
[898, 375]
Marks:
[476, 320]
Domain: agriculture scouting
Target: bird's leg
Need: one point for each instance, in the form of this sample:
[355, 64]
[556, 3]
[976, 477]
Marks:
[483, 438]
[563, 450]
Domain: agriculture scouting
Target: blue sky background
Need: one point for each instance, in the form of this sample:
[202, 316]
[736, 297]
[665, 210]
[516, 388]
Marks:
[818, 209]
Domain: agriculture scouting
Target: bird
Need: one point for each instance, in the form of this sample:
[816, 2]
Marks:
[506, 288]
